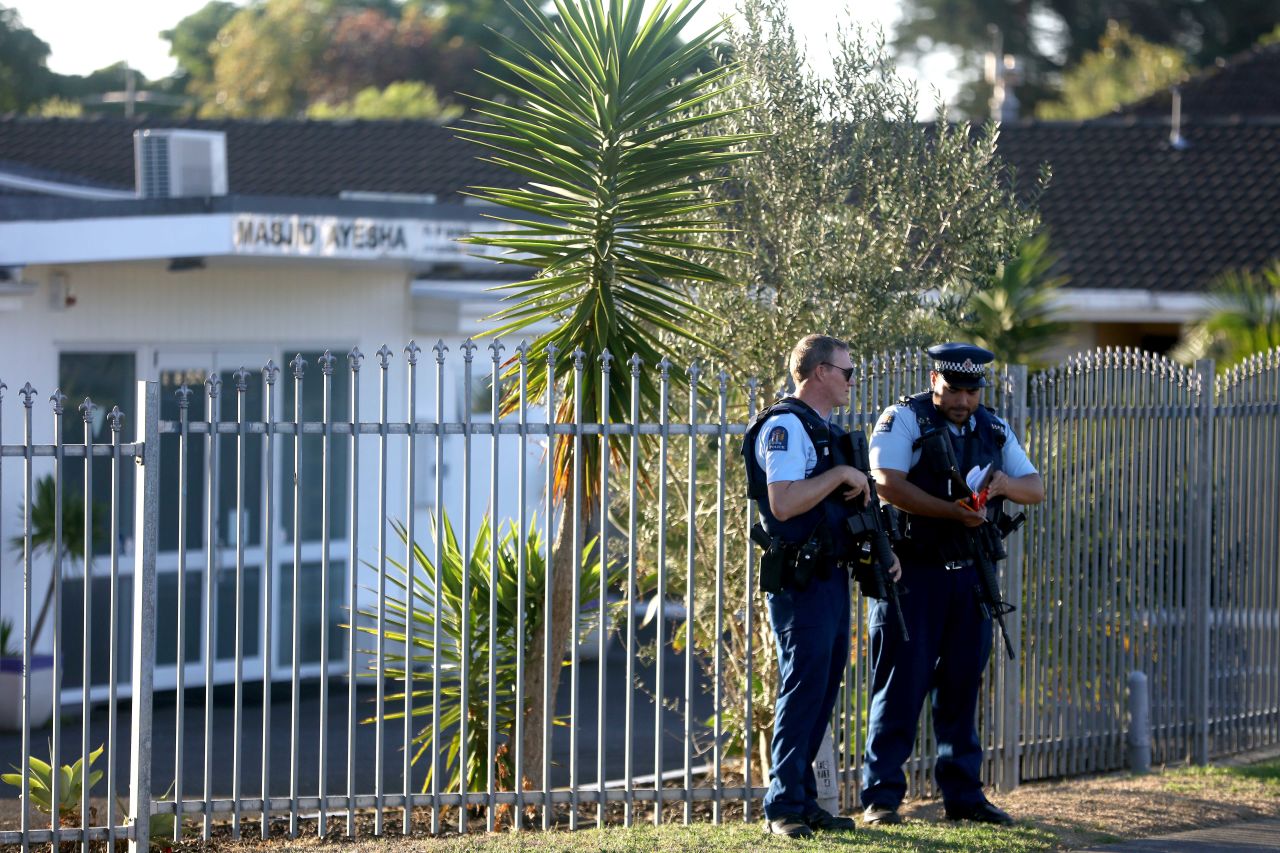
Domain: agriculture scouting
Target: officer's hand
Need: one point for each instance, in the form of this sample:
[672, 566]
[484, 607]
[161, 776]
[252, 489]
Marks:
[998, 485]
[895, 571]
[968, 517]
[854, 482]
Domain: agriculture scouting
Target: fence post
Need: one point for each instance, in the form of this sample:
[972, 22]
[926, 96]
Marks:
[146, 505]
[1204, 489]
[1011, 706]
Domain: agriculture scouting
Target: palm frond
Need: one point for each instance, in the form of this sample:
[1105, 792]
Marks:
[599, 126]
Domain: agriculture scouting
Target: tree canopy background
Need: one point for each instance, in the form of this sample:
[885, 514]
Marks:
[1052, 36]
[288, 59]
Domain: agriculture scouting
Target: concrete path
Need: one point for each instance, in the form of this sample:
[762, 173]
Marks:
[1229, 838]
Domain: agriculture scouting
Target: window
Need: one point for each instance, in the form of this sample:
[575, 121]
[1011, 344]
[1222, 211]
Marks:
[107, 378]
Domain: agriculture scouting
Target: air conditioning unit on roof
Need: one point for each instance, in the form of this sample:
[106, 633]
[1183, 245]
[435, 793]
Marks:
[180, 163]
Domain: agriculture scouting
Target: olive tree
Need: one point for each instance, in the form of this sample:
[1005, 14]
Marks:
[854, 220]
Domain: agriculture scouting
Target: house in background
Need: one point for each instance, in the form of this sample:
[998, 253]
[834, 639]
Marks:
[1147, 208]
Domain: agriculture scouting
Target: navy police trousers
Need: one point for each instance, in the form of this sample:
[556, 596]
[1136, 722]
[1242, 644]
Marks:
[949, 648]
[812, 631]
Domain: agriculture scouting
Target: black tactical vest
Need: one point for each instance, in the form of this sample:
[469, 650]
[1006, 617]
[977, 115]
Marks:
[830, 511]
[981, 445]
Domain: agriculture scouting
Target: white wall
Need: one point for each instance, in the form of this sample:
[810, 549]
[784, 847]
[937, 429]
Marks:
[245, 311]
[265, 308]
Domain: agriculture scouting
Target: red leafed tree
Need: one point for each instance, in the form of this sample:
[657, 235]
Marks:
[368, 48]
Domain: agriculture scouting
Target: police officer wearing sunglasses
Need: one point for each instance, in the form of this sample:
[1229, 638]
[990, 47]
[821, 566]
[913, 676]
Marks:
[801, 493]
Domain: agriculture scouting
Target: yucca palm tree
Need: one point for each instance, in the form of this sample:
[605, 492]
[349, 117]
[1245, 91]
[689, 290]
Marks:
[1245, 319]
[1014, 317]
[599, 126]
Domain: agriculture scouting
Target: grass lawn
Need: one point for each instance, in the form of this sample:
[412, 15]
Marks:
[704, 838]
[1064, 815]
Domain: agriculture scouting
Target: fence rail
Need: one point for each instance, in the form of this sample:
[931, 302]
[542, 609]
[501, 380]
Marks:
[263, 506]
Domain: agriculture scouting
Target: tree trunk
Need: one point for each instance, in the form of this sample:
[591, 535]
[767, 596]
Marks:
[563, 576]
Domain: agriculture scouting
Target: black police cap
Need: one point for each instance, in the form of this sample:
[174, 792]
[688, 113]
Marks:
[961, 365]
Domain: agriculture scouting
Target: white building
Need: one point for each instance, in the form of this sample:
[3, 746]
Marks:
[237, 245]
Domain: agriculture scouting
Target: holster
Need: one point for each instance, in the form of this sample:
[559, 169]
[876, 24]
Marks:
[791, 565]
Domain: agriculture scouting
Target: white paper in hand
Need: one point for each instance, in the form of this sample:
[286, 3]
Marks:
[975, 477]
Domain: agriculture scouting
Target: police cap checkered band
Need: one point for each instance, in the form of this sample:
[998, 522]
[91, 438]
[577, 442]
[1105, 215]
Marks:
[960, 358]
[966, 366]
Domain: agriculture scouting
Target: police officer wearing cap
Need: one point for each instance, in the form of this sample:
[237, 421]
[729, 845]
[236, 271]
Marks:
[950, 633]
[801, 492]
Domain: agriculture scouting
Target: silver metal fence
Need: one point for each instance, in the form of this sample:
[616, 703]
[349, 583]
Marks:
[1155, 550]
[1242, 686]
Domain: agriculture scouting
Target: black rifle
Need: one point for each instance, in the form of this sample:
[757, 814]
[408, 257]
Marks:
[985, 542]
[875, 527]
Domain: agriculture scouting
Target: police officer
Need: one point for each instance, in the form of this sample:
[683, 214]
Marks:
[950, 634]
[801, 494]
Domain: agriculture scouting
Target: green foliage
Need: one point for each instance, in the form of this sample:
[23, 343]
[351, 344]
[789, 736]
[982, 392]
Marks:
[854, 219]
[1267, 772]
[1244, 320]
[191, 40]
[1125, 68]
[24, 79]
[263, 59]
[57, 108]
[275, 58]
[415, 603]
[162, 825]
[6, 634]
[403, 100]
[1013, 317]
[486, 30]
[71, 782]
[599, 122]
[44, 518]
[1052, 36]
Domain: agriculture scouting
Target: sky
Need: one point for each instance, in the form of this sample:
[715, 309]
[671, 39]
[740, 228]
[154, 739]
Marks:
[85, 35]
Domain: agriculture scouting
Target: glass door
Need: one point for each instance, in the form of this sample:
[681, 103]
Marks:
[218, 519]
[192, 368]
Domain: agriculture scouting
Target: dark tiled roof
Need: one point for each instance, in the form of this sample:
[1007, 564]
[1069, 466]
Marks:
[55, 176]
[298, 158]
[1127, 210]
[1245, 85]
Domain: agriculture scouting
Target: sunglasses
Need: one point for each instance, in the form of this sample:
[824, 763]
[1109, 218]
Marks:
[847, 371]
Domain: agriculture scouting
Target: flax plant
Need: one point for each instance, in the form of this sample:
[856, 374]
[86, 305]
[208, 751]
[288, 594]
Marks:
[601, 125]
[406, 604]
